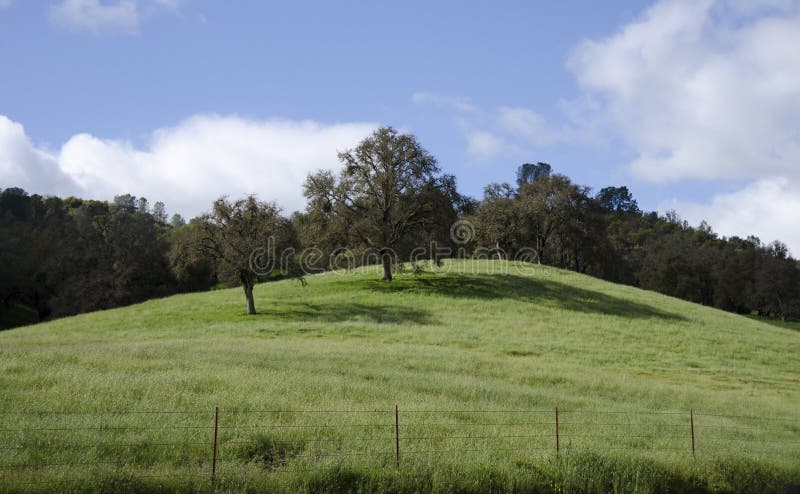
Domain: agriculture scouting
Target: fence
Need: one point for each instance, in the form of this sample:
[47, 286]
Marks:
[40, 447]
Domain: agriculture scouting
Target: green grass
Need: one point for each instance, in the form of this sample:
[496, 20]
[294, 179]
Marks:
[795, 325]
[465, 340]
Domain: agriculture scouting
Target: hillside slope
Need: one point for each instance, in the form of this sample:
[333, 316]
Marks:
[483, 336]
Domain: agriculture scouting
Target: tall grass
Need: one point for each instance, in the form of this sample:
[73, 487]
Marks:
[624, 366]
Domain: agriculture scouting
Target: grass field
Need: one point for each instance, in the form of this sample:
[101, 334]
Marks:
[476, 356]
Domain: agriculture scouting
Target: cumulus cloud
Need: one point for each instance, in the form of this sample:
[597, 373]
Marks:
[122, 17]
[766, 208]
[707, 90]
[702, 89]
[24, 165]
[186, 166]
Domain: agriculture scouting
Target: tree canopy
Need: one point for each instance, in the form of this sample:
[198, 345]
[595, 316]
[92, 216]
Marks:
[389, 187]
[388, 202]
[244, 237]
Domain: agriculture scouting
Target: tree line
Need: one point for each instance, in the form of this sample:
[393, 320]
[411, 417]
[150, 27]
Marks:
[62, 256]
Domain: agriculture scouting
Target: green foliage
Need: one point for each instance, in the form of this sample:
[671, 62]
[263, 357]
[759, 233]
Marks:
[389, 203]
[245, 238]
[529, 173]
[617, 200]
[389, 196]
[549, 215]
[61, 257]
[193, 270]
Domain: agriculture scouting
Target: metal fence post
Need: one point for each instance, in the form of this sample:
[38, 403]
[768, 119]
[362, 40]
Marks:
[691, 422]
[558, 445]
[216, 432]
[397, 435]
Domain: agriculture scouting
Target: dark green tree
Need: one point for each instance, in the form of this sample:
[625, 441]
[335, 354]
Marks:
[777, 284]
[529, 173]
[194, 269]
[546, 206]
[245, 237]
[177, 221]
[159, 212]
[497, 219]
[617, 200]
[388, 189]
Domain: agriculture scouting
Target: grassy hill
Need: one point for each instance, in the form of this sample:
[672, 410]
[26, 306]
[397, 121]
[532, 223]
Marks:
[476, 356]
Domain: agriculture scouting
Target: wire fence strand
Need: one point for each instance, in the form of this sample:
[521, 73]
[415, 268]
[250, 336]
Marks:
[53, 442]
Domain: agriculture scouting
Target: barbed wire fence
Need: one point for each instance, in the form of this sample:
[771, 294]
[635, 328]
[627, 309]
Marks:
[40, 447]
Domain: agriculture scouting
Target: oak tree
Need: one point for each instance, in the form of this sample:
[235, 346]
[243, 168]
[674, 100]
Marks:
[389, 187]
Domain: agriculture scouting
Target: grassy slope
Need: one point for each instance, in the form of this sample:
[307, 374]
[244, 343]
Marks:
[531, 339]
[795, 325]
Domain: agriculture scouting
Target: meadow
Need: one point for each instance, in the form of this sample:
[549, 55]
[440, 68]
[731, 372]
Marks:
[476, 357]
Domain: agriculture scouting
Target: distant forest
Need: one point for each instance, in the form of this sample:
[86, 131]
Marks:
[63, 256]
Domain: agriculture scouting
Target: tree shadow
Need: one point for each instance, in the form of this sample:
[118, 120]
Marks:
[504, 286]
[347, 311]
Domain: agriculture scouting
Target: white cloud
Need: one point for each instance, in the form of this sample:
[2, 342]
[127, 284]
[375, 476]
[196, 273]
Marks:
[767, 209]
[122, 17]
[171, 4]
[96, 18]
[482, 145]
[453, 102]
[528, 124]
[707, 90]
[186, 166]
[701, 89]
[24, 165]
[505, 131]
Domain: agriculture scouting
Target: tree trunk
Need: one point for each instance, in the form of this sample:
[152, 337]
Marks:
[248, 294]
[387, 267]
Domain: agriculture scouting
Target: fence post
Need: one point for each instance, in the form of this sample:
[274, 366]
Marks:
[216, 431]
[397, 435]
[558, 445]
[691, 422]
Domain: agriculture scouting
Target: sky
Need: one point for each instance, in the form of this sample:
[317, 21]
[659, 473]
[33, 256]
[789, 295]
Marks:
[694, 105]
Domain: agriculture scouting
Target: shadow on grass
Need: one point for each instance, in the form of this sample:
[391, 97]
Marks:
[503, 286]
[17, 315]
[382, 314]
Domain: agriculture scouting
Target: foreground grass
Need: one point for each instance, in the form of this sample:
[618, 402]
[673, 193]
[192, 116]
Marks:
[462, 351]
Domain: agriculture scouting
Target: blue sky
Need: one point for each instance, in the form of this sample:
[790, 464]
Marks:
[694, 105]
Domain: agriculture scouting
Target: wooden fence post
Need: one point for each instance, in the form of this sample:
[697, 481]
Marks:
[691, 422]
[558, 444]
[216, 431]
[397, 435]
